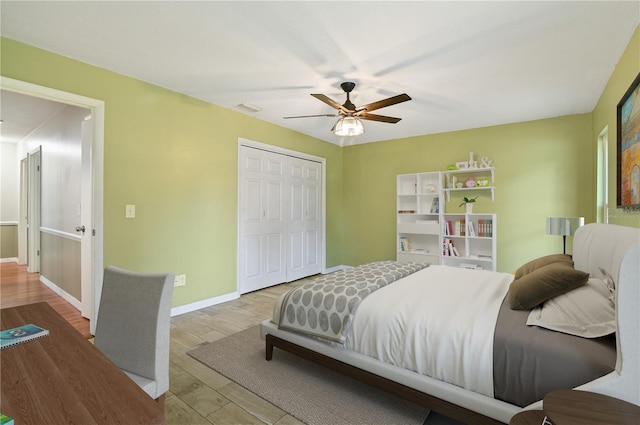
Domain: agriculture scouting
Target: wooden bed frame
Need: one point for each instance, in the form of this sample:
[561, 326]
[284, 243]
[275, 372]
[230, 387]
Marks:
[616, 248]
[422, 399]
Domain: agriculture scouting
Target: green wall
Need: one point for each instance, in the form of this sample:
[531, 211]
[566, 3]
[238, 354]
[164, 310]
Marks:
[175, 158]
[604, 116]
[540, 172]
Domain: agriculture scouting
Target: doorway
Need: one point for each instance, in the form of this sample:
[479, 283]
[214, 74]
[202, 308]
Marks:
[91, 206]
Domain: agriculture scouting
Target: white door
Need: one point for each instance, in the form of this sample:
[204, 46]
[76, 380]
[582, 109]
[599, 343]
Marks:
[304, 224]
[262, 225]
[280, 218]
[34, 160]
[86, 225]
[23, 221]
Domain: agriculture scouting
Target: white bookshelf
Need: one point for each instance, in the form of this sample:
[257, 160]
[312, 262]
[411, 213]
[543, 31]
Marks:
[427, 234]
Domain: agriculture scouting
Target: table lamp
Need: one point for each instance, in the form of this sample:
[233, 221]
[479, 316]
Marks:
[565, 226]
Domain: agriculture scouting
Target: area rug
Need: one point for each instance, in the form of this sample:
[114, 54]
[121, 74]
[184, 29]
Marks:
[311, 393]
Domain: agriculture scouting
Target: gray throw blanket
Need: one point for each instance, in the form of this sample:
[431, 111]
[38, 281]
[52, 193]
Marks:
[325, 306]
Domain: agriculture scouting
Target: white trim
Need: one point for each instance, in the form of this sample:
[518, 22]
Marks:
[97, 108]
[187, 308]
[60, 233]
[336, 268]
[64, 294]
[9, 260]
[8, 223]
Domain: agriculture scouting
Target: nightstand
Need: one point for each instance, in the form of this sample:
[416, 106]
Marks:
[574, 407]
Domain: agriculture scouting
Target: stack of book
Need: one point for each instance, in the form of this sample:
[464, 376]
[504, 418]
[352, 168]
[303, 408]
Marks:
[449, 249]
[404, 244]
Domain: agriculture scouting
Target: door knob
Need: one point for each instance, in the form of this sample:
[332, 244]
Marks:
[80, 229]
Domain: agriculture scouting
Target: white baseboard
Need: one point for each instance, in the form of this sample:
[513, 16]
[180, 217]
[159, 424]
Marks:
[9, 260]
[187, 308]
[64, 294]
[176, 311]
[336, 268]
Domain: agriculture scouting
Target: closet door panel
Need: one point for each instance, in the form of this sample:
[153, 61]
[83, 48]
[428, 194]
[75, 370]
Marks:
[312, 257]
[295, 254]
[252, 269]
[280, 218]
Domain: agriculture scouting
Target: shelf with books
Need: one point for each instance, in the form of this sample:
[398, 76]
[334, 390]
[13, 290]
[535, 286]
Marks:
[420, 248]
[418, 217]
[427, 233]
[474, 237]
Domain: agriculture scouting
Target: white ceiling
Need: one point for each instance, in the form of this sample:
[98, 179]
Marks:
[465, 64]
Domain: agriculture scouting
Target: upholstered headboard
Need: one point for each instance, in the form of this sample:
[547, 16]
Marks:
[598, 246]
[616, 249]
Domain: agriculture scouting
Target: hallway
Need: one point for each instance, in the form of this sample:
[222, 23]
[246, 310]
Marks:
[17, 287]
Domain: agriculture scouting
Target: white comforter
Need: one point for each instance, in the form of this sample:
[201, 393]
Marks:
[441, 324]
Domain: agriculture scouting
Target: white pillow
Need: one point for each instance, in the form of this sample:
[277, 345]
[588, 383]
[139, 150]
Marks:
[586, 311]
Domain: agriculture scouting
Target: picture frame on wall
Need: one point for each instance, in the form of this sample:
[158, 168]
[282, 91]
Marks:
[628, 147]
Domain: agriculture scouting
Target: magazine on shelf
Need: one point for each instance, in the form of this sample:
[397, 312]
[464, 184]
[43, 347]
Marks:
[21, 334]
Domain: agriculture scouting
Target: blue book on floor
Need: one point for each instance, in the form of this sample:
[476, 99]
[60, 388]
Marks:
[21, 334]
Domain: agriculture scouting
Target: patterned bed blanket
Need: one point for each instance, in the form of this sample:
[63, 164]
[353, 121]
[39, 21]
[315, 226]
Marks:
[325, 306]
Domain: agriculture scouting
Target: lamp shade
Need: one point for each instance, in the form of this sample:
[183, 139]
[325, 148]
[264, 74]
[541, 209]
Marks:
[565, 226]
[348, 126]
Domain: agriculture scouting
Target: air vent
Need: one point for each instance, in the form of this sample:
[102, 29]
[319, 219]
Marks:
[249, 108]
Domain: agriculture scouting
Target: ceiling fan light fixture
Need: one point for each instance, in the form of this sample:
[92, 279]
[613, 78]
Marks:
[348, 126]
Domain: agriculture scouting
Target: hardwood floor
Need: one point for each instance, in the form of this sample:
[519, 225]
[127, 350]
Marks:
[198, 394]
[17, 287]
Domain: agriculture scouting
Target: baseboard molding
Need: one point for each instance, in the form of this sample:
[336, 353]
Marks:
[9, 260]
[187, 308]
[336, 268]
[64, 294]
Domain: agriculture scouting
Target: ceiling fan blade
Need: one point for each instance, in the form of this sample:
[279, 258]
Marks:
[384, 103]
[331, 102]
[374, 117]
[310, 116]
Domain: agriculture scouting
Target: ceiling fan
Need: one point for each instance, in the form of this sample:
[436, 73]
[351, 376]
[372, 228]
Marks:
[349, 123]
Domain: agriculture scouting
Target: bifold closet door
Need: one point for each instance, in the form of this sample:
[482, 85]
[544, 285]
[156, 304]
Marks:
[280, 218]
[262, 240]
[303, 218]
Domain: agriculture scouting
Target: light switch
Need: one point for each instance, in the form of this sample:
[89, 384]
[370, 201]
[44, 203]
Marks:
[130, 211]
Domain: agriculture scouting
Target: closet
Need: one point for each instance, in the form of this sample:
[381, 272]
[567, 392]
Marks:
[280, 218]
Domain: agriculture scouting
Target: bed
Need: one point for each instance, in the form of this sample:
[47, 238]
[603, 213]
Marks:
[457, 341]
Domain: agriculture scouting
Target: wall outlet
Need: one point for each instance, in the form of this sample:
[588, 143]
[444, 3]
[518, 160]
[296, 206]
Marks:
[130, 211]
[181, 280]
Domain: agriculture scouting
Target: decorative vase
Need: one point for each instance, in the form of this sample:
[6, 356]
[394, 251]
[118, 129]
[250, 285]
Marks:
[469, 207]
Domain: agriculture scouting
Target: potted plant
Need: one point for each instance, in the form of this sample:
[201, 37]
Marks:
[468, 203]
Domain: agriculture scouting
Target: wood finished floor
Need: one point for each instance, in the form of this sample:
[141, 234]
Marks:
[17, 287]
[197, 394]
